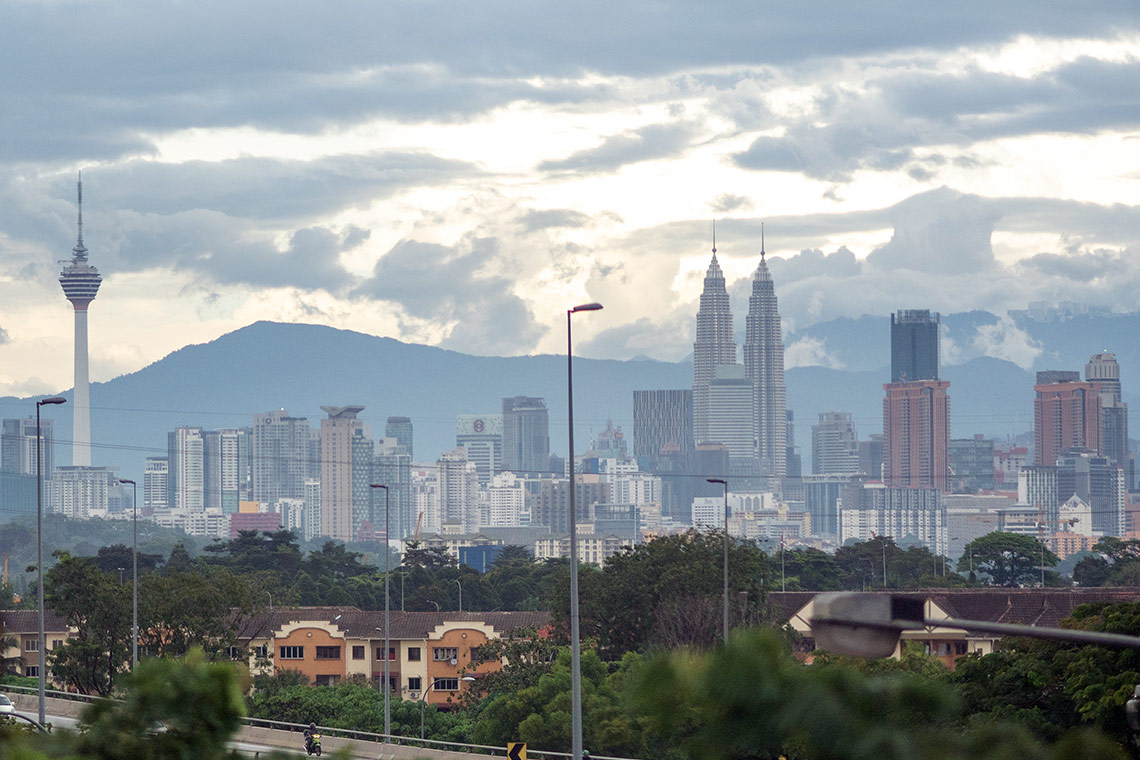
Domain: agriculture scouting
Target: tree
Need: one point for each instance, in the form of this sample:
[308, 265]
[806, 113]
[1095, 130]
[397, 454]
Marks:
[418, 555]
[1009, 559]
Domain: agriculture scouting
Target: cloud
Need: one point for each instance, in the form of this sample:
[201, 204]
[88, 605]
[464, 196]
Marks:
[644, 144]
[726, 202]
[552, 218]
[809, 352]
[3, 336]
[1004, 340]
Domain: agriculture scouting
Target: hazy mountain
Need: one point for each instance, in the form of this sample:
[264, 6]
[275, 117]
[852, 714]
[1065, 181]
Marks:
[300, 367]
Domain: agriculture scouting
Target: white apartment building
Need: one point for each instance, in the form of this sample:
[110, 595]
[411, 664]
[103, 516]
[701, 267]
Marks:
[210, 523]
[502, 504]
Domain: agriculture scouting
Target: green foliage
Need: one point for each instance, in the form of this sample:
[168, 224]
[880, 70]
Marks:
[861, 565]
[1007, 559]
[751, 699]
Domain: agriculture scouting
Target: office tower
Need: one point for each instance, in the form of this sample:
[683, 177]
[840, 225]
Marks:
[764, 366]
[714, 345]
[914, 345]
[346, 468]
[916, 410]
[228, 474]
[662, 426]
[18, 447]
[834, 445]
[1066, 415]
[871, 456]
[156, 473]
[610, 443]
[400, 430]
[871, 509]
[1099, 482]
[1037, 487]
[282, 456]
[526, 435]
[481, 436]
[1103, 370]
[80, 282]
[458, 491]
[186, 484]
[393, 467]
[822, 499]
[971, 464]
[916, 434]
[551, 504]
[730, 413]
[792, 459]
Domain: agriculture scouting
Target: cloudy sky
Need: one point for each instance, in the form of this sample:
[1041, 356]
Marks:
[458, 174]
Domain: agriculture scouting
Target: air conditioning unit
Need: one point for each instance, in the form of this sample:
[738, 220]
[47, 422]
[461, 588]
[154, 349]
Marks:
[413, 695]
[454, 661]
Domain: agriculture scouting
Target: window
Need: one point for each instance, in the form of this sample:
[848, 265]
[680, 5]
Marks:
[31, 645]
[32, 671]
[414, 684]
[413, 654]
[380, 653]
[959, 647]
[440, 654]
[292, 653]
[326, 680]
[328, 653]
[261, 651]
[446, 684]
[56, 643]
[234, 653]
[358, 652]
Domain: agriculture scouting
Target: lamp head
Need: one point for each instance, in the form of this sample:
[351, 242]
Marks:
[124, 480]
[51, 400]
[378, 485]
[722, 481]
[863, 625]
[587, 307]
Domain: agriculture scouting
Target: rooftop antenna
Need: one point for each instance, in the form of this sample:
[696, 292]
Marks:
[761, 241]
[80, 250]
[714, 237]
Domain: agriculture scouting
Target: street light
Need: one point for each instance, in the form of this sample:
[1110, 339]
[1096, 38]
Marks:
[134, 574]
[387, 651]
[575, 643]
[40, 548]
[869, 625]
[423, 702]
[457, 583]
[724, 483]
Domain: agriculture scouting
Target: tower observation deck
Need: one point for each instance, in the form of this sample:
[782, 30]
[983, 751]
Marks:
[80, 282]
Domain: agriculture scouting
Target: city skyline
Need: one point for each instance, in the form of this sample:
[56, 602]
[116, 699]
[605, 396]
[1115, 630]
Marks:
[442, 184]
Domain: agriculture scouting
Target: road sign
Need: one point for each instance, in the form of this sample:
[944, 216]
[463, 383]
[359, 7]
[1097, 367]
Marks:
[516, 751]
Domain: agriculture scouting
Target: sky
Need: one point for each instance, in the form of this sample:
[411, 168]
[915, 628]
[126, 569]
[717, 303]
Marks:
[459, 174]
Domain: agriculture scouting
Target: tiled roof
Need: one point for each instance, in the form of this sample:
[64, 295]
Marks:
[27, 621]
[1025, 606]
[357, 623]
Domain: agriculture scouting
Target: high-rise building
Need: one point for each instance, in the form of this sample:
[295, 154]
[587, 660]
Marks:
[764, 366]
[916, 410]
[503, 502]
[228, 473]
[871, 509]
[346, 468]
[458, 491]
[914, 345]
[18, 447]
[730, 413]
[81, 492]
[662, 426]
[400, 430]
[1099, 482]
[393, 467]
[971, 464]
[156, 491]
[916, 434]
[793, 460]
[1066, 415]
[834, 445]
[481, 436]
[526, 435]
[823, 498]
[1103, 370]
[551, 504]
[282, 456]
[80, 282]
[185, 455]
[871, 456]
[715, 344]
[1037, 488]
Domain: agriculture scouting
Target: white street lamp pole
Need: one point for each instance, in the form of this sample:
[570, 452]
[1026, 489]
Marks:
[387, 627]
[134, 574]
[575, 641]
[40, 549]
[724, 483]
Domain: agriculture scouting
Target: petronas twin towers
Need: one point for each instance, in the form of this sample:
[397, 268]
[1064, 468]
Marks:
[741, 407]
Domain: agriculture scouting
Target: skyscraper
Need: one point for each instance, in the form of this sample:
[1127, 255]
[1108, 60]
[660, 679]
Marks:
[1103, 370]
[714, 345]
[1066, 415]
[186, 483]
[80, 283]
[764, 366]
[282, 458]
[834, 445]
[156, 474]
[458, 491]
[400, 429]
[662, 426]
[346, 468]
[526, 435]
[228, 475]
[392, 466]
[914, 345]
[18, 447]
[730, 414]
[481, 436]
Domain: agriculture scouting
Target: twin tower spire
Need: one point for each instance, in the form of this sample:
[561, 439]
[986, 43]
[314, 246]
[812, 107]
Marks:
[741, 407]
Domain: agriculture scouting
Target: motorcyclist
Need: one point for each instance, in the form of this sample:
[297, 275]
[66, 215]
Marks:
[308, 734]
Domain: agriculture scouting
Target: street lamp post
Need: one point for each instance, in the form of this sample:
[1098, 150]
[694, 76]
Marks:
[724, 483]
[457, 583]
[134, 574]
[575, 643]
[40, 548]
[423, 702]
[387, 628]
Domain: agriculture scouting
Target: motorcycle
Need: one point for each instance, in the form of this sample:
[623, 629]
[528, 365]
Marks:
[313, 745]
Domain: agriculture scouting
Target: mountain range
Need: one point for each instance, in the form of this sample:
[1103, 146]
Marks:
[298, 367]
